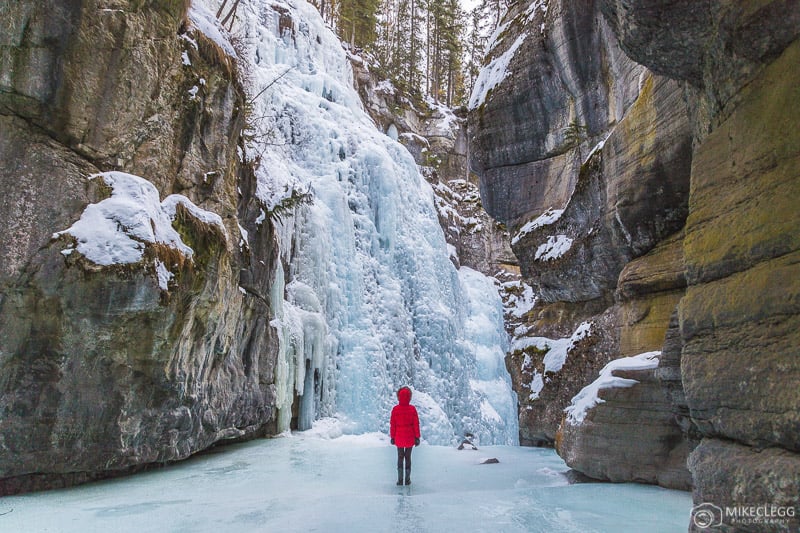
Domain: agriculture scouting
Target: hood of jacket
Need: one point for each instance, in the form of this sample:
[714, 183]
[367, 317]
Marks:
[404, 396]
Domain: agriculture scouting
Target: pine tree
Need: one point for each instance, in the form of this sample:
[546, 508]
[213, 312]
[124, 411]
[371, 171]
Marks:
[418, 44]
[445, 50]
[494, 10]
[475, 46]
[407, 55]
[357, 21]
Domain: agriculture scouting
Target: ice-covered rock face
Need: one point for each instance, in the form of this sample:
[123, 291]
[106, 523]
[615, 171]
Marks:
[372, 301]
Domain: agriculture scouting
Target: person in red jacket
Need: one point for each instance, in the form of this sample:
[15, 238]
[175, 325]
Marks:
[404, 432]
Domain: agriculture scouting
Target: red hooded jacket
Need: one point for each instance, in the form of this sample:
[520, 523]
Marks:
[404, 424]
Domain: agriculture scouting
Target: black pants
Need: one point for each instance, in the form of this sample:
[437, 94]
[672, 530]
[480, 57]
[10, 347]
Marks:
[404, 454]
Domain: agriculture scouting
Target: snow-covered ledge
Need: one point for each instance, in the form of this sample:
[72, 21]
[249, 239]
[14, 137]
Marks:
[117, 229]
[630, 434]
[589, 397]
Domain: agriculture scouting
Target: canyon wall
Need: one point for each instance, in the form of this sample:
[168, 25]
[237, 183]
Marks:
[668, 221]
[109, 365]
[739, 319]
[585, 155]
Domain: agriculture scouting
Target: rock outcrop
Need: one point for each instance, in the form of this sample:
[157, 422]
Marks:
[592, 191]
[640, 432]
[618, 443]
[108, 367]
[707, 270]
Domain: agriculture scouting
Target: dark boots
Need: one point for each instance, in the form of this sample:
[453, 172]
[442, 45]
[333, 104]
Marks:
[400, 476]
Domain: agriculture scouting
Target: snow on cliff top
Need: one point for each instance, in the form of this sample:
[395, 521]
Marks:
[206, 22]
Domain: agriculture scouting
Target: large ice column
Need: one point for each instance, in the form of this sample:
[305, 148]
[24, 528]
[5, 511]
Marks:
[486, 337]
[371, 300]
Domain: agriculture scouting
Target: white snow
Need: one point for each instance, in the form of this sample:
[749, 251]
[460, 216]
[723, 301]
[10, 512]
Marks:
[164, 275]
[244, 242]
[622, 227]
[538, 4]
[206, 22]
[599, 146]
[530, 13]
[443, 121]
[521, 298]
[589, 397]
[497, 35]
[536, 385]
[386, 87]
[189, 40]
[555, 247]
[116, 230]
[496, 70]
[170, 205]
[323, 480]
[493, 74]
[557, 349]
[550, 216]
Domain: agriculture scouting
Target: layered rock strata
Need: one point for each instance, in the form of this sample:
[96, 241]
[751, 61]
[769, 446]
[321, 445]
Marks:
[591, 189]
[739, 319]
[639, 433]
[619, 443]
[730, 349]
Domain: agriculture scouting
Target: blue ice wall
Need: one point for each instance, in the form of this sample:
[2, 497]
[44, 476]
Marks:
[369, 299]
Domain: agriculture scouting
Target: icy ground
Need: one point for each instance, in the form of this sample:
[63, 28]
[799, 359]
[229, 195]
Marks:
[305, 482]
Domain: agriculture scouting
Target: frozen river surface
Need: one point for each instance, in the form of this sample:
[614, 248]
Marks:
[306, 482]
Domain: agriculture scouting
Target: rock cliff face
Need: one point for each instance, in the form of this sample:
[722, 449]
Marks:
[739, 318]
[598, 179]
[617, 443]
[682, 225]
[567, 85]
[104, 368]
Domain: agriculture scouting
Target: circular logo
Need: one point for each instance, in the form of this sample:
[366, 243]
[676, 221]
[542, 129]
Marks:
[706, 515]
[703, 518]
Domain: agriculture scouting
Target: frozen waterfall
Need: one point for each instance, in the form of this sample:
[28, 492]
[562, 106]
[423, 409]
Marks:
[371, 300]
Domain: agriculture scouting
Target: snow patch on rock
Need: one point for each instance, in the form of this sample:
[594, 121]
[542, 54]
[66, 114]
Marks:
[589, 397]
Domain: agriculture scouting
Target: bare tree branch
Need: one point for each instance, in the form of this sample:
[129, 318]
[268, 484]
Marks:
[270, 84]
